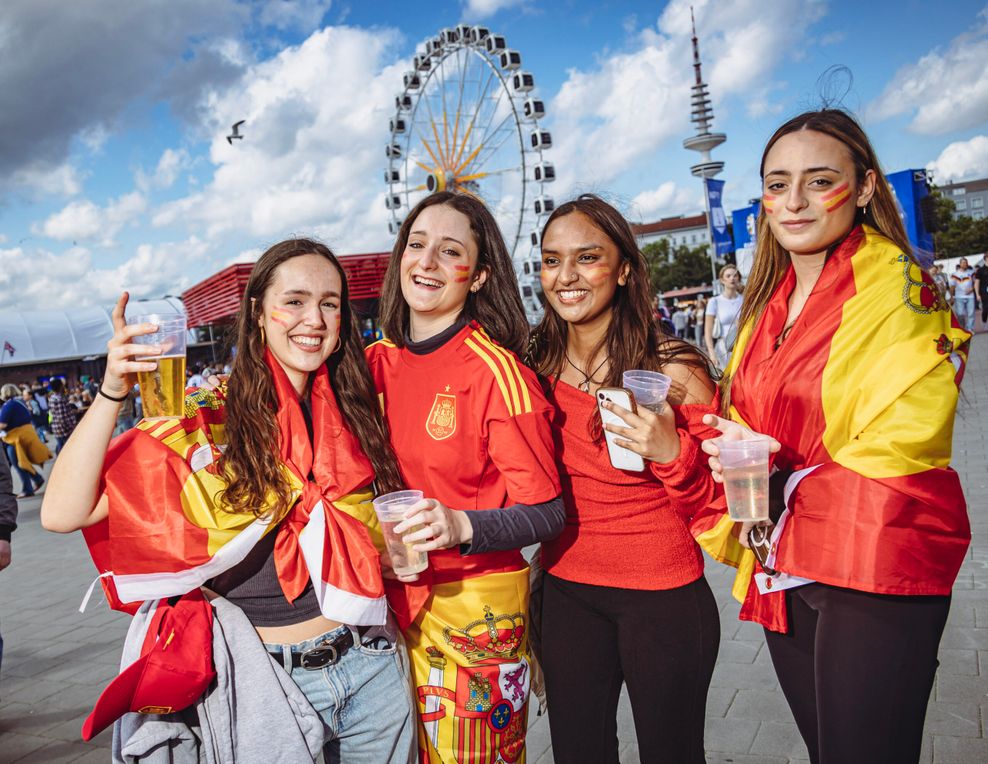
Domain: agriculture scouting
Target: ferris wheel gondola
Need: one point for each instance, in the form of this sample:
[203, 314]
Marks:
[467, 121]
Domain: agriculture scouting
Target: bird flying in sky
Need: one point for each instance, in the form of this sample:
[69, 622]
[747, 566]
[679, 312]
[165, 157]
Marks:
[235, 135]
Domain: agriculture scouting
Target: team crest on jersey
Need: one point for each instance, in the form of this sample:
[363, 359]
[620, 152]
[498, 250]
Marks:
[442, 418]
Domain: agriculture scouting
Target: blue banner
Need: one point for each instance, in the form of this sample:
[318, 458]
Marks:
[718, 220]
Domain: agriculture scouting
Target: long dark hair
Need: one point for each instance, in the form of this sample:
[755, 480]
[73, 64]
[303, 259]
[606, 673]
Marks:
[251, 462]
[496, 306]
[633, 340]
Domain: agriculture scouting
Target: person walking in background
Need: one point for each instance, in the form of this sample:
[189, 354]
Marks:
[721, 317]
[680, 318]
[942, 282]
[624, 598]
[962, 288]
[8, 524]
[847, 360]
[699, 317]
[24, 447]
[981, 287]
[63, 414]
[29, 399]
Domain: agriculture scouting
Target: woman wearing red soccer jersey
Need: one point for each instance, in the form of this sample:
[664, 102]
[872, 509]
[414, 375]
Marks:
[471, 429]
[624, 599]
[850, 359]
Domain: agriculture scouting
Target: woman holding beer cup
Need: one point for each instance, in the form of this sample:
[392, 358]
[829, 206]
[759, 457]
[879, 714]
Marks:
[849, 359]
[624, 598]
[471, 430]
[221, 496]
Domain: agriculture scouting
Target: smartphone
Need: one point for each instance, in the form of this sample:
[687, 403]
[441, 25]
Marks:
[621, 458]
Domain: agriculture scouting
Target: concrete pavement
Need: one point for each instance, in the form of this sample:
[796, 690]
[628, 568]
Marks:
[56, 661]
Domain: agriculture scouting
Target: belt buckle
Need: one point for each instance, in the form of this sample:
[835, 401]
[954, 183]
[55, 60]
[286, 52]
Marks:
[325, 654]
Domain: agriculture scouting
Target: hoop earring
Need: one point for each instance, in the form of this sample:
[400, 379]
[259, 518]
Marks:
[339, 344]
[264, 339]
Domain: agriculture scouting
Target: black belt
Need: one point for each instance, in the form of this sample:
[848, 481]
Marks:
[322, 655]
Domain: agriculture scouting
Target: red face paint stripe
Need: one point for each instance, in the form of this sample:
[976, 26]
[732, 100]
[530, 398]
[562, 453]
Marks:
[836, 192]
[461, 279]
[461, 268]
[768, 202]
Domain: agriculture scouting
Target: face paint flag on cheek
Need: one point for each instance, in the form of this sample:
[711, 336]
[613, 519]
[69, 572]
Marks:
[768, 202]
[462, 273]
[837, 198]
[282, 317]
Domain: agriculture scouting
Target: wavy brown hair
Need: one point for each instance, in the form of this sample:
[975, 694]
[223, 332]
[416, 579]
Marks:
[496, 306]
[633, 339]
[772, 261]
[251, 460]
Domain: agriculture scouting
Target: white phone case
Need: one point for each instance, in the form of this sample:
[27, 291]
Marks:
[621, 457]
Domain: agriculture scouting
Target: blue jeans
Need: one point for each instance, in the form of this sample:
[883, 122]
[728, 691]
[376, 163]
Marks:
[964, 308]
[29, 482]
[364, 699]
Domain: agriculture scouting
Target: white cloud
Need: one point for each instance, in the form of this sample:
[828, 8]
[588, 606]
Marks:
[961, 160]
[476, 10]
[69, 279]
[170, 165]
[608, 118]
[307, 162]
[246, 256]
[294, 14]
[945, 90]
[83, 220]
[665, 201]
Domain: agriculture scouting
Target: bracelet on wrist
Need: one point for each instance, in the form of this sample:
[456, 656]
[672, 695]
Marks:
[110, 397]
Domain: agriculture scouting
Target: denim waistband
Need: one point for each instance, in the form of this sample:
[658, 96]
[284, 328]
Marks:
[308, 644]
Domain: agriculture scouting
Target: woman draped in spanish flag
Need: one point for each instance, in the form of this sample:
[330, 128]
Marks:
[258, 494]
[471, 429]
[849, 358]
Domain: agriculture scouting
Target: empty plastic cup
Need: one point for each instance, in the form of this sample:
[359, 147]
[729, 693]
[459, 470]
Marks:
[391, 509]
[745, 464]
[650, 388]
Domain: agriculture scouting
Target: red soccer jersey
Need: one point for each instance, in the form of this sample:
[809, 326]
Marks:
[469, 423]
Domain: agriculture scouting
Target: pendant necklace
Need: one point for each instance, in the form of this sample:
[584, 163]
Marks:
[587, 378]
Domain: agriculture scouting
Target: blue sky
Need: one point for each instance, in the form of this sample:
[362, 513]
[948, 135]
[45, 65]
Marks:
[114, 170]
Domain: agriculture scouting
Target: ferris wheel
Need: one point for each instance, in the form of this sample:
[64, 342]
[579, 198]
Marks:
[467, 121]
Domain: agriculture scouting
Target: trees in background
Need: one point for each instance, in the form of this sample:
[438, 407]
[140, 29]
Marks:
[960, 237]
[674, 268]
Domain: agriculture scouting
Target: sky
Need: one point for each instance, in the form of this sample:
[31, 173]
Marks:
[115, 171]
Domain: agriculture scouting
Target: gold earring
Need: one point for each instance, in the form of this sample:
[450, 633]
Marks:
[339, 344]
[264, 339]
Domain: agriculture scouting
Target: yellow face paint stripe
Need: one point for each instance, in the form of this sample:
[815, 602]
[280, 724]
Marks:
[494, 370]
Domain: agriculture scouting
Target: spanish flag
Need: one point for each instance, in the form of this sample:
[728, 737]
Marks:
[863, 389]
[168, 531]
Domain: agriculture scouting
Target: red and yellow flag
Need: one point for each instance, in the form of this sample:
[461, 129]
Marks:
[864, 388]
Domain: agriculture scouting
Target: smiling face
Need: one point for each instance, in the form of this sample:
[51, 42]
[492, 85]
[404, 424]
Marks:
[811, 191]
[301, 315]
[439, 269]
[581, 269]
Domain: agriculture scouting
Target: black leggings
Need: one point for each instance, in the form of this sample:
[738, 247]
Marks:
[857, 669]
[984, 307]
[662, 644]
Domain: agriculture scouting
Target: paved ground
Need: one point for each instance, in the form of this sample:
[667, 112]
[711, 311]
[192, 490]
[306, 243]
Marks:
[56, 661]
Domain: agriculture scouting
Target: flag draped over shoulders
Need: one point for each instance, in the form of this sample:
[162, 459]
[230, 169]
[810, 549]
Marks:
[168, 530]
[862, 389]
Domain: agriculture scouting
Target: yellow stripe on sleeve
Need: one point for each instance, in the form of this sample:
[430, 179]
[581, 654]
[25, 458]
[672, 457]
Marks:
[510, 364]
[512, 378]
[495, 370]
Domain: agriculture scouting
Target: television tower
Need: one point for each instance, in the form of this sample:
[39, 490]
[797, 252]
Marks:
[704, 141]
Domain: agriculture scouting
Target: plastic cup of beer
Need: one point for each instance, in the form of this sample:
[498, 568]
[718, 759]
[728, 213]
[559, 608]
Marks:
[650, 388]
[391, 509]
[163, 390]
[745, 465]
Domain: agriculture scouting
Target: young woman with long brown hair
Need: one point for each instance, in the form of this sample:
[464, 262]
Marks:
[256, 494]
[624, 599]
[850, 359]
[471, 429]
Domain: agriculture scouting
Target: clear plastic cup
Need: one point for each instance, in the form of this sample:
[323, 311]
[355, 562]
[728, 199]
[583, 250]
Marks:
[650, 388]
[391, 509]
[163, 390]
[745, 465]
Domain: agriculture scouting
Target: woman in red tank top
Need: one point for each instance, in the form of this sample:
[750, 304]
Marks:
[625, 601]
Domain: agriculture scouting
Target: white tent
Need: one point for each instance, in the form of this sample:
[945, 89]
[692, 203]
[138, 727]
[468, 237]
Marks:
[41, 336]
